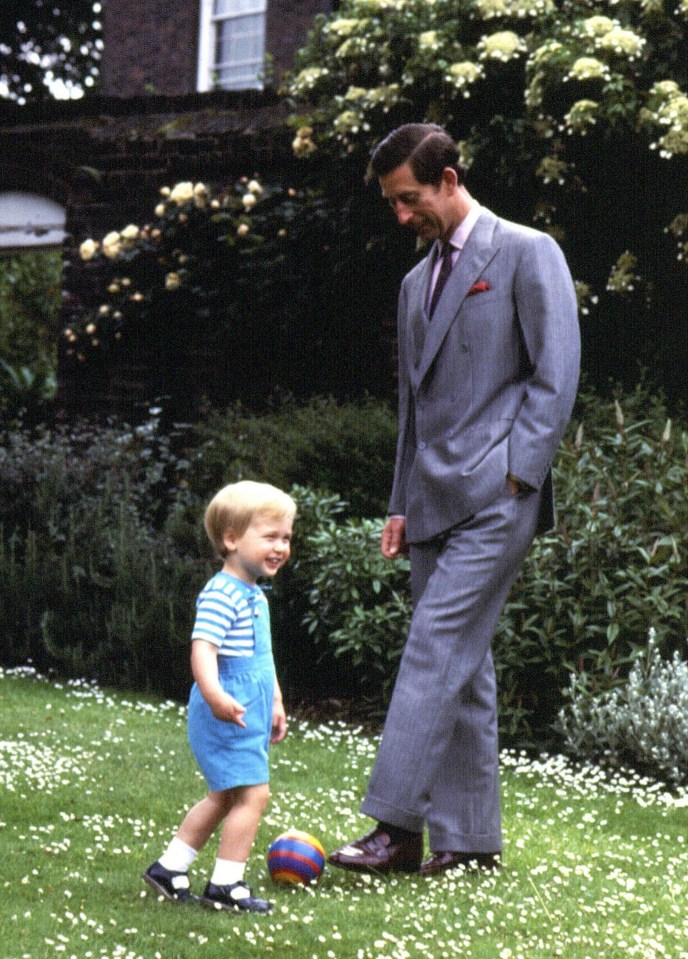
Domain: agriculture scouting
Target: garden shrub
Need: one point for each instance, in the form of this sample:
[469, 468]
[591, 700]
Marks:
[91, 583]
[359, 603]
[102, 552]
[615, 564]
[347, 448]
[587, 593]
[642, 723]
[29, 321]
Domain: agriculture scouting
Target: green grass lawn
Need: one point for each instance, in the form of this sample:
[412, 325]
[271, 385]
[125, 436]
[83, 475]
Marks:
[93, 785]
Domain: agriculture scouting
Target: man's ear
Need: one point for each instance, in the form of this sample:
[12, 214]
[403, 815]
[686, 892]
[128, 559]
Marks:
[450, 179]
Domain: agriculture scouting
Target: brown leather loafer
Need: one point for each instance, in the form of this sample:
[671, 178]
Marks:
[442, 861]
[375, 852]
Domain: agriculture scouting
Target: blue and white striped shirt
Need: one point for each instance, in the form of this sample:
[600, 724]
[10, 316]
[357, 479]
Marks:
[225, 610]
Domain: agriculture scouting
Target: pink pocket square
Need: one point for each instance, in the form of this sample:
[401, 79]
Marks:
[481, 287]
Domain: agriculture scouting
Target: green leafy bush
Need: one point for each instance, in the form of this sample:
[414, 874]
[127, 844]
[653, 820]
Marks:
[587, 593]
[347, 448]
[642, 723]
[102, 552]
[359, 603]
[616, 563]
[29, 321]
[91, 582]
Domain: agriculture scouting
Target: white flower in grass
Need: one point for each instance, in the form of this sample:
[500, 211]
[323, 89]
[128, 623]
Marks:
[130, 232]
[504, 45]
[254, 187]
[249, 201]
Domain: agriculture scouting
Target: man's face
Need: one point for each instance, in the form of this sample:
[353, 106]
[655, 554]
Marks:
[428, 210]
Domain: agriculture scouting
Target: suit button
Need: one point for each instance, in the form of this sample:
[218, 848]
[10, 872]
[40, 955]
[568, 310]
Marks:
[464, 347]
[421, 446]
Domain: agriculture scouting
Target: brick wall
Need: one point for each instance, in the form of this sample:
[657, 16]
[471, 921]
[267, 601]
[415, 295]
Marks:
[151, 46]
[288, 23]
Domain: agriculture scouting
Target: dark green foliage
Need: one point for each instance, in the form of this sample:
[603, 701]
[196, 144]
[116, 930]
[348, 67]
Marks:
[346, 448]
[615, 565]
[29, 320]
[91, 582]
[102, 553]
[359, 603]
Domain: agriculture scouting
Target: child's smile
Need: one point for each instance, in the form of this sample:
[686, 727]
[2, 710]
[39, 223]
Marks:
[261, 550]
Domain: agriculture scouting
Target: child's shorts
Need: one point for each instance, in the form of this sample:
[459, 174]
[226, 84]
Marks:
[228, 755]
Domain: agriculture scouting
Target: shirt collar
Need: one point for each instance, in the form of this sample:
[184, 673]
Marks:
[460, 235]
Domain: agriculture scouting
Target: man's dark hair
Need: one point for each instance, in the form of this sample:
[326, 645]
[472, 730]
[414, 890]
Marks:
[426, 147]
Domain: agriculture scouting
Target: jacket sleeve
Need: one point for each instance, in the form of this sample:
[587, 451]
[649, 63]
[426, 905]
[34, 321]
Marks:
[548, 317]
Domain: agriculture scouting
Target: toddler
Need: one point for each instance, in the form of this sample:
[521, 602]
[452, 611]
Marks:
[235, 706]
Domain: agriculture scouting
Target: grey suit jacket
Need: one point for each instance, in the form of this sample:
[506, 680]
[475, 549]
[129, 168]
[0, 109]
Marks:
[487, 387]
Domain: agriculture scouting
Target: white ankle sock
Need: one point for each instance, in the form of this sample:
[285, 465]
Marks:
[226, 873]
[178, 856]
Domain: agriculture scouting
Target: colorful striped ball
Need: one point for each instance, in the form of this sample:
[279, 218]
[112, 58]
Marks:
[295, 857]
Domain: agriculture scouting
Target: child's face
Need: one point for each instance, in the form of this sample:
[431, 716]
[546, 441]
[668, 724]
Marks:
[261, 550]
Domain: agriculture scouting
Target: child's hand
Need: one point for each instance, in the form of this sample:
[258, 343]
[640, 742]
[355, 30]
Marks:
[226, 708]
[279, 721]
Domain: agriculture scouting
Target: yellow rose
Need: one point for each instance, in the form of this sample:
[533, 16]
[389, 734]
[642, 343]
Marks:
[182, 192]
[88, 249]
[112, 245]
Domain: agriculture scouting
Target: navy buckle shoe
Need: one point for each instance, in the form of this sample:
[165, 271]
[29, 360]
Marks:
[173, 886]
[220, 897]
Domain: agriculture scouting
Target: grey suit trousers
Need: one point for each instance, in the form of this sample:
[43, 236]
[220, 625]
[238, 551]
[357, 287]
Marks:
[438, 761]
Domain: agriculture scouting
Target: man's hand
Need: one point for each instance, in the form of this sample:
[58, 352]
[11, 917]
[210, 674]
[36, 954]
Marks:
[393, 543]
[517, 486]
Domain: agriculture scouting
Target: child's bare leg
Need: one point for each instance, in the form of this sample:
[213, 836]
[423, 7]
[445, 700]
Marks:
[248, 804]
[202, 820]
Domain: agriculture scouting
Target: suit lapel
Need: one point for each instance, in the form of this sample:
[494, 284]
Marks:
[480, 248]
[417, 317]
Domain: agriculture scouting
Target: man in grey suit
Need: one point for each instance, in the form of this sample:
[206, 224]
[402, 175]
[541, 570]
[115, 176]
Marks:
[489, 353]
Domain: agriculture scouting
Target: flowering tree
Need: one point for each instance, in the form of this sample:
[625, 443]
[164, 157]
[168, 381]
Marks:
[571, 114]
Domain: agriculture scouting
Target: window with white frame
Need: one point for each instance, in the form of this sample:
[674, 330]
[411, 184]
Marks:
[232, 44]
